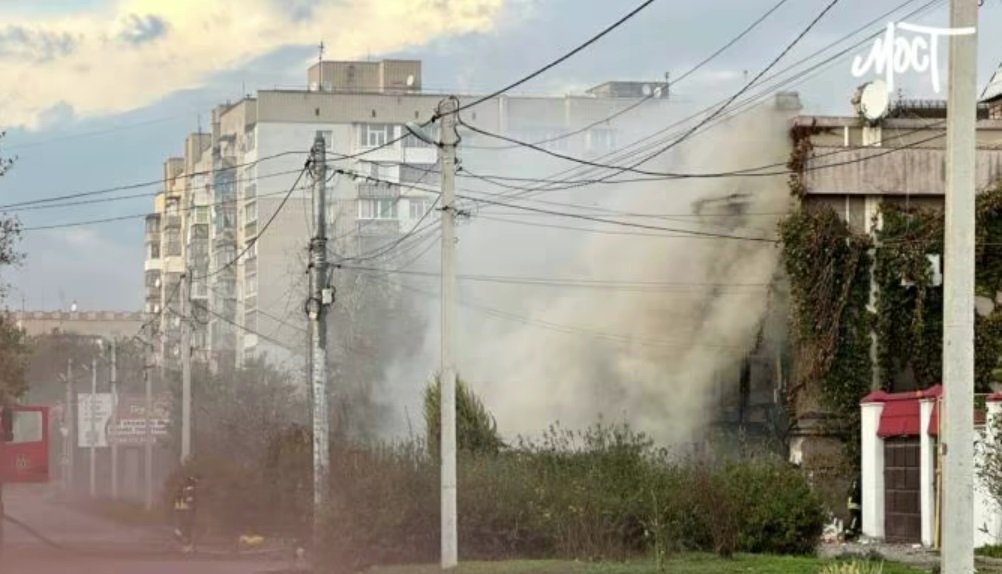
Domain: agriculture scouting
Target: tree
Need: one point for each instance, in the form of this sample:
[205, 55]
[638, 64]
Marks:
[373, 327]
[12, 343]
[47, 360]
[476, 429]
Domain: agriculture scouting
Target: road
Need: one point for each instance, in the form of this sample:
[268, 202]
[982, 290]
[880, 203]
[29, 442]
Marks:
[82, 543]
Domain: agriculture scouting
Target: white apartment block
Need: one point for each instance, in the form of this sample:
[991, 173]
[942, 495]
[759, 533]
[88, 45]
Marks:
[218, 197]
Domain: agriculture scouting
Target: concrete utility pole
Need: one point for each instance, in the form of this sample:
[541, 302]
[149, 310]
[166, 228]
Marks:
[958, 293]
[185, 369]
[92, 405]
[447, 386]
[321, 296]
[148, 431]
[114, 420]
[71, 435]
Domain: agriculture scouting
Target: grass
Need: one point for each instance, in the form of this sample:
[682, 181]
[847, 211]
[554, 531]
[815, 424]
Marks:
[680, 564]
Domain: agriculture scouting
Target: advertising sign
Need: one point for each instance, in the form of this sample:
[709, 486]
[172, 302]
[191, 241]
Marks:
[131, 419]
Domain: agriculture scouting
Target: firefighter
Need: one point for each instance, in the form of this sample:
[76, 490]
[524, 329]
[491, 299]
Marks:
[184, 512]
[855, 511]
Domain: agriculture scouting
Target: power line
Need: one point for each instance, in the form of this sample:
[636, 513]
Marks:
[652, 95]
[738, 94]
[139, 185]
[623, 152]
[139, 195]
[693, 233]
[573, 282]
[569, 329]
[263, 230]
[553, 63]
[581, 229]
[719, 110]
[136, 215]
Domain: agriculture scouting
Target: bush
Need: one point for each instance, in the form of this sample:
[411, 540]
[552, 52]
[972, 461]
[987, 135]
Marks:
[602, 494]
[476, 430]
[990, 551]
[778, 512]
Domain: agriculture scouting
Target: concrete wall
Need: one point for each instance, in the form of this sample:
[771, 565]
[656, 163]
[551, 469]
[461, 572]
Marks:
[95, 323]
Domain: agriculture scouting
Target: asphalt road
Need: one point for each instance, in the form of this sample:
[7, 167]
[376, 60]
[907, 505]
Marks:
[82, 543]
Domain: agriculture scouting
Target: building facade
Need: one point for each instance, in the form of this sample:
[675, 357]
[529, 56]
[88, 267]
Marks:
[248, 285]
[854, 166]
[105, 324]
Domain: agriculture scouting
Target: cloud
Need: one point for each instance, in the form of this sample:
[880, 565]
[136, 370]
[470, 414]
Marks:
[142, 29]
[130, 53]
[34, 45]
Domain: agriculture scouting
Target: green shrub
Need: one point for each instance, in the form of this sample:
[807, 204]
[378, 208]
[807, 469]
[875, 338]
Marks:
[777, 510]
[476, 430]
[991, 551]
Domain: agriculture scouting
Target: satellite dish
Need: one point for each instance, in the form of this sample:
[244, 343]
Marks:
[646, 89]
[874, 100]
[410, 81]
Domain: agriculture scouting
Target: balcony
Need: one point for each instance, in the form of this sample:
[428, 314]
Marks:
[378, 191]
[172, 222]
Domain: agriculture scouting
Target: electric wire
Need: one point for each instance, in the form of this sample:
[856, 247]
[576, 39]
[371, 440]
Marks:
[653, 94]
[551, 64]
[131, 186]
[253, 241]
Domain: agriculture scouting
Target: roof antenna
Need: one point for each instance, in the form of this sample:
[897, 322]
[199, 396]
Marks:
[320, 68]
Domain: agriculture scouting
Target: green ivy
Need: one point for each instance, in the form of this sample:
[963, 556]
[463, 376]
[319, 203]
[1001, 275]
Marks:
[829, 270]
[909, 322]
[909, 310]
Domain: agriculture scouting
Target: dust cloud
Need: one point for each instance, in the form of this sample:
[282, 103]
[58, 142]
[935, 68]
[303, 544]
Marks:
[662, 315]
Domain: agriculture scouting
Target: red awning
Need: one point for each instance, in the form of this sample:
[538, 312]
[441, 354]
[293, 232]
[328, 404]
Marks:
[901, 415]
[899, 418]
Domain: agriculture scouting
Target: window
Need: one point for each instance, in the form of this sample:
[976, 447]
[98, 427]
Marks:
[202, 215]
[250, 212]
[153, 250]
[250, 284]
[249, 141]
[376, 171]
[27, 427]
[412, 141]
[174, 243]
[374, 135]
[250, 191]
[250, 320]
[419, 207]
[377, 209]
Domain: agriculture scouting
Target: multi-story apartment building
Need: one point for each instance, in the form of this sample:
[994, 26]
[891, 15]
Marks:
[248, 285]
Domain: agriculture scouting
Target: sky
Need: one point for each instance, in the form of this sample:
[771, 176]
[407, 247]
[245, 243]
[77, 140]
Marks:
[97, 93]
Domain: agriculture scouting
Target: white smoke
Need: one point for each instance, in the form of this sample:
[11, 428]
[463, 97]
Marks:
[647, 355]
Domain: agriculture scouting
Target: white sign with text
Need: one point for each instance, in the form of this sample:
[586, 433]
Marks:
[893, 54]
[93, 418]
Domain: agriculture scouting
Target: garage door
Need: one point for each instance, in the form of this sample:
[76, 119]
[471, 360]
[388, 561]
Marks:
[902, 498]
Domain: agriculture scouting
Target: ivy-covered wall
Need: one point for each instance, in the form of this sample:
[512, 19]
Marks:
[909, 318]
[829, 272]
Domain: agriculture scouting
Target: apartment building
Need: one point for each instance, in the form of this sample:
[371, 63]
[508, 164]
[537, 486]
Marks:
[249, 286]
